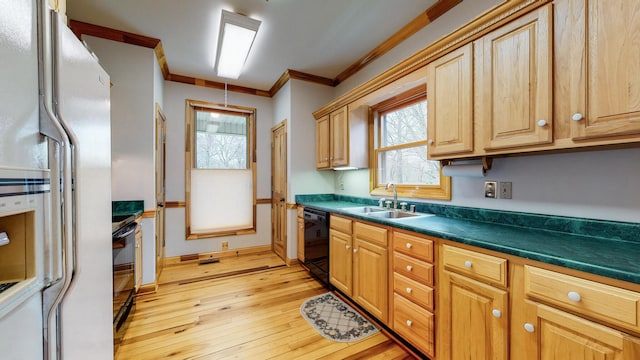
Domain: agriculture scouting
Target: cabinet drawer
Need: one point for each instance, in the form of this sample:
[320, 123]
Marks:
[341, 224]
[412, 268]
[371, 233]
[414, 324]
[414, 246]
[416, 292]
[475, 265]
[604, 302]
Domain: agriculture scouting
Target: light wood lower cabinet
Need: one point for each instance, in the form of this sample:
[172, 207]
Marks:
[473, 319]
[358, 264]
[138, 264]
[300, 239]
[413, 292]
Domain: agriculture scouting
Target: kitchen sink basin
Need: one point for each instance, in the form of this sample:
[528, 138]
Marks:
[396, 214]
[365, 210]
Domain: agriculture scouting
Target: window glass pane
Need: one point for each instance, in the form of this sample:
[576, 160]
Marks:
[221, 141]
[408, 166]
[404, 125]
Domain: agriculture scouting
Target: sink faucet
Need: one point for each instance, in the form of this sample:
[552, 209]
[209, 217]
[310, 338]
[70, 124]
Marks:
[395, 194]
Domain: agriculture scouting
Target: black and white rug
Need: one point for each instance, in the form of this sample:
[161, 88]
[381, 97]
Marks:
[335, 320]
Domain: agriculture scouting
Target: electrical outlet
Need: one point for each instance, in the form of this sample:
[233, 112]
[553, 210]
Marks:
[505, 190]
[490, 189]
[225, 245]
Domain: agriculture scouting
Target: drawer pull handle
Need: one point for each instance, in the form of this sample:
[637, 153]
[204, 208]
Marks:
[409, 267]
[409, 322]
[468, 264]
[409, 246]
[496, 313]
[529, 327]
[409, 290]
[574, 296]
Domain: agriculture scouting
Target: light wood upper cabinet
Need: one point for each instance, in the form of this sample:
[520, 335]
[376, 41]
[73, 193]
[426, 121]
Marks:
[450, 99]
[515, 87]
[599, 68]
[322, 143]
[341, 139]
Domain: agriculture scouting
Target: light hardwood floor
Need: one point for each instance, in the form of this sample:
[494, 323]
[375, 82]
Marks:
[246, 307]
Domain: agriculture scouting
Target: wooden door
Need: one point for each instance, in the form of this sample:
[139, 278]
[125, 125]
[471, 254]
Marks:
[612, 71]
[564, 336]
[339, 137]
[370, 278]
[161, 161]
[340, 261]
[279, 190]
[322, 143]
[515, 84]
[473, 319]
[450, 98]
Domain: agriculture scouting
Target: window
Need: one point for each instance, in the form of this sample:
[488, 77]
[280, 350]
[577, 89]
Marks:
[220, 170]
[399, 149]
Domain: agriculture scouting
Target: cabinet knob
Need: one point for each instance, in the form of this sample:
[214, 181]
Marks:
[347, 247]
[529, 327]
[409, 322]
[574, 296]
[468, 264]
[409, 267]
[542, 122]
[577, 117]
[409, 246]
[430, 141]
[355, 250]
[409, 290]
[496, 313]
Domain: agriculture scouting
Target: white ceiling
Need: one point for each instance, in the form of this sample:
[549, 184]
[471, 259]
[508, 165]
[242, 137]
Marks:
[319, 37]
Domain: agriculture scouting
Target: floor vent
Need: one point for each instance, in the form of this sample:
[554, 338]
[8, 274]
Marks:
[208, 261]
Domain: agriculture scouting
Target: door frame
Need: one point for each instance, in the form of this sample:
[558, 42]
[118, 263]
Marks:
[160, 165]
[274, 202]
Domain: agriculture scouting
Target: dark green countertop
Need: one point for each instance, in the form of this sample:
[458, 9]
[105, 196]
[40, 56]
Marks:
[606, 248]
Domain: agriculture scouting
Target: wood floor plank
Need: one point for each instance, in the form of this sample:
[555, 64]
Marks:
[245, 307]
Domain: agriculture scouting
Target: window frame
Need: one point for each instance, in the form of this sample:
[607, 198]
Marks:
[407, 98]
[191, 107]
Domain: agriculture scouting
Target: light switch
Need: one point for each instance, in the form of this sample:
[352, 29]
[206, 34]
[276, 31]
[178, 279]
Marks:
[505, 190]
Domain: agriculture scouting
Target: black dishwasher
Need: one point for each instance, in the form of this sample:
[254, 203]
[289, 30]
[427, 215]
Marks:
[316, 243]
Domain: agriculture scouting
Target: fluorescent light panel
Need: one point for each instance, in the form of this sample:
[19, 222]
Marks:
[237, 33]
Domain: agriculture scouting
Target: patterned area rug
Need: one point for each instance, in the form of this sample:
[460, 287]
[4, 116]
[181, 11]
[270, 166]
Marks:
[335, 320]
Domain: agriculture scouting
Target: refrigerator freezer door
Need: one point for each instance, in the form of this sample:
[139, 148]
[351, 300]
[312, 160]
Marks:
[82, 92]
[21, 145]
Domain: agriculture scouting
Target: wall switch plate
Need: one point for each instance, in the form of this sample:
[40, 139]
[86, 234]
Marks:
[505, 190]
[491, 189]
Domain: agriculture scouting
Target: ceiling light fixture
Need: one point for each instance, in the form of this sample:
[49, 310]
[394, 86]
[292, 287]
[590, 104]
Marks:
[237, 33]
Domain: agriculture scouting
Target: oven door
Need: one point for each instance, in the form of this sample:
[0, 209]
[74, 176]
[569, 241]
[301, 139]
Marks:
[124, 254]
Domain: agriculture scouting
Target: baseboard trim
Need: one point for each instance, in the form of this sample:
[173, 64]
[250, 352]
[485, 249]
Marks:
[217, 254]
[147, 288]
[291, 262]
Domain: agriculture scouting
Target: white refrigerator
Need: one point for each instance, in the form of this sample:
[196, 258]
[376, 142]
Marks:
[55, 190]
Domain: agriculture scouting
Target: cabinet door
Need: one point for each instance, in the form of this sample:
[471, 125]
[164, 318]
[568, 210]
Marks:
[473, 319]
[370, 278]
[301, 239]
[612, 70]
[515, 87]
[450, 110]
[322, 143]
[340, 261]
[564, 336]
[339, 137]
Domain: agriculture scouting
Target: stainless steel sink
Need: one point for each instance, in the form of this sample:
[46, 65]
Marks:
[365, 210]
[396, 214]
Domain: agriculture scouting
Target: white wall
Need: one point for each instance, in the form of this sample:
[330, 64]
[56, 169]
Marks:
[137, 86]
[175, 95]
